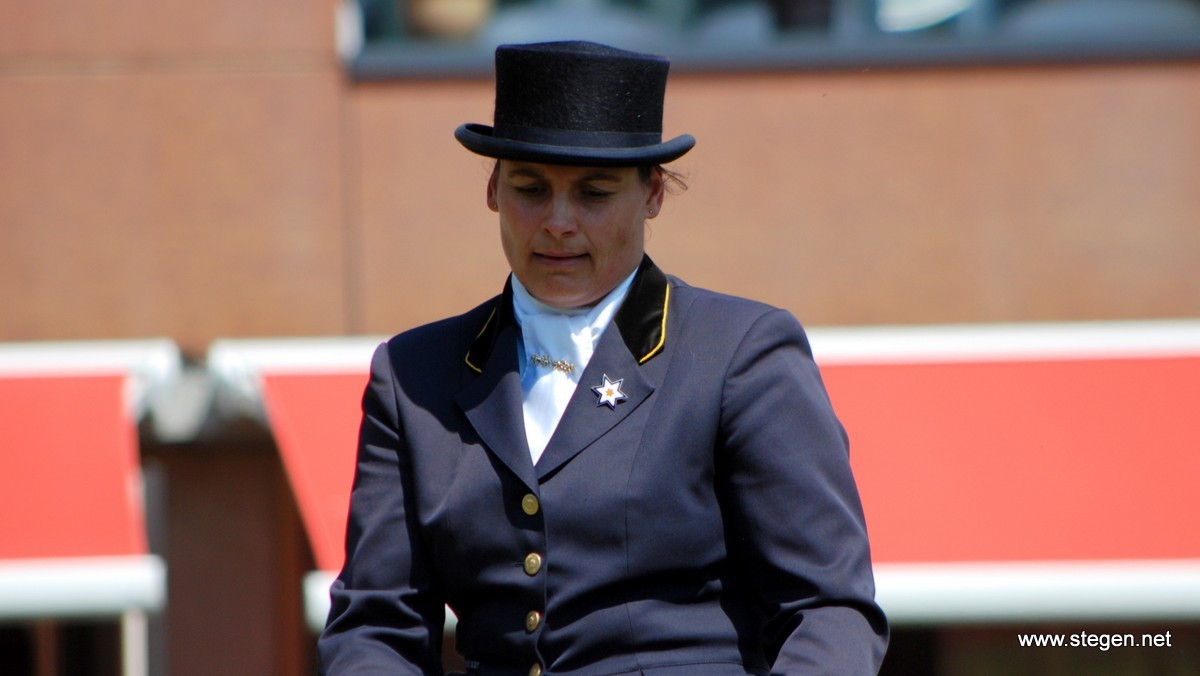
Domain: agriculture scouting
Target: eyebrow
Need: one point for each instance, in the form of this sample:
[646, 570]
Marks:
[594, 176]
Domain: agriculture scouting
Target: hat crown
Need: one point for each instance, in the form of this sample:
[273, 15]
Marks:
[579, 86]
[577, 103]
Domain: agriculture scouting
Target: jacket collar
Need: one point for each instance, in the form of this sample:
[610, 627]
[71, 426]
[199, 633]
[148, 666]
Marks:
[641, 319]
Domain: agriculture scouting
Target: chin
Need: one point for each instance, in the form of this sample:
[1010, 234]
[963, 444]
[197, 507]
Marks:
[566, 301]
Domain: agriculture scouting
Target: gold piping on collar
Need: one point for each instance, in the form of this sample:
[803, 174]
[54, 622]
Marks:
[662, 332]
[486, 324]
[641, 306]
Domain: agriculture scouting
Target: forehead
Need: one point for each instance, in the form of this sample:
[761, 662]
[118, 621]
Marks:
[564, 173]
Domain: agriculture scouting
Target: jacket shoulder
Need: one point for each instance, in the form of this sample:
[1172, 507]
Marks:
[723, 323]
[450, 336]
[731, 310]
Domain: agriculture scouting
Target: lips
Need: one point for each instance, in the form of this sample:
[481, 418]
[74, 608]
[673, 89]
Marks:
[559, 257]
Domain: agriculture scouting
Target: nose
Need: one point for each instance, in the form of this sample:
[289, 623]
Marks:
[560, 217]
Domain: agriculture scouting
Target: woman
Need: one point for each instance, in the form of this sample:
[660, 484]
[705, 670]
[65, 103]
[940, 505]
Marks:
[601, 470]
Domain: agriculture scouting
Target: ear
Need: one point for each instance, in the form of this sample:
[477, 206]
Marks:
[656, 193]
[491, 189]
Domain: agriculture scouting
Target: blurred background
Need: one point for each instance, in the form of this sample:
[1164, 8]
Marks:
[183, 179]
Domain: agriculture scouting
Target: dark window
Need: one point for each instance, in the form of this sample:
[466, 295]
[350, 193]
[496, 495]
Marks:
[436, 37]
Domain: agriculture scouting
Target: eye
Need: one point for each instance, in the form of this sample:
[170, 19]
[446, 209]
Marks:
[531, 190]
[595, 194]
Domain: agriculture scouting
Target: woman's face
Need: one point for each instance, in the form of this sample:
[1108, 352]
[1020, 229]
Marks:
[571, 234]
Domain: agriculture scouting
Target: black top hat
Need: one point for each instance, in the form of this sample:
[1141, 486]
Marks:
[577, 103]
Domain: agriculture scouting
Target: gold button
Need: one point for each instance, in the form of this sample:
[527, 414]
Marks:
[533, 563]
[532, 620]
[535, 670]
[529, 504]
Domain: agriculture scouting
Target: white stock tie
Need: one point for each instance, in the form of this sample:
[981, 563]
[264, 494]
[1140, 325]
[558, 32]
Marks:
[557, 346]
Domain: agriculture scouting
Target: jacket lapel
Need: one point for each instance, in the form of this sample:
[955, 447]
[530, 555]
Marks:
[492, 399]
[637, 335]
[586, 419]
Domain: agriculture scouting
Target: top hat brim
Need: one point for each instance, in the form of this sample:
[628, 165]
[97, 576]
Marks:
[480, 139]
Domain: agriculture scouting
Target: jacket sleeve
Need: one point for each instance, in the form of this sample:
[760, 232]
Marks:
[795, 517]
[386, 612]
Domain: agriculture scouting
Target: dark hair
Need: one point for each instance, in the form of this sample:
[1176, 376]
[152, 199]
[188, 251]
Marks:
[672, 180]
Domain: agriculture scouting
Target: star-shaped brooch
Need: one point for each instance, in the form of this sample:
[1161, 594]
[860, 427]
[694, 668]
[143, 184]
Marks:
[610, 392]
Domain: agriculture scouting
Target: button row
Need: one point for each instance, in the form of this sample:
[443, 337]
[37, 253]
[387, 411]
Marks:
[533, 563]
